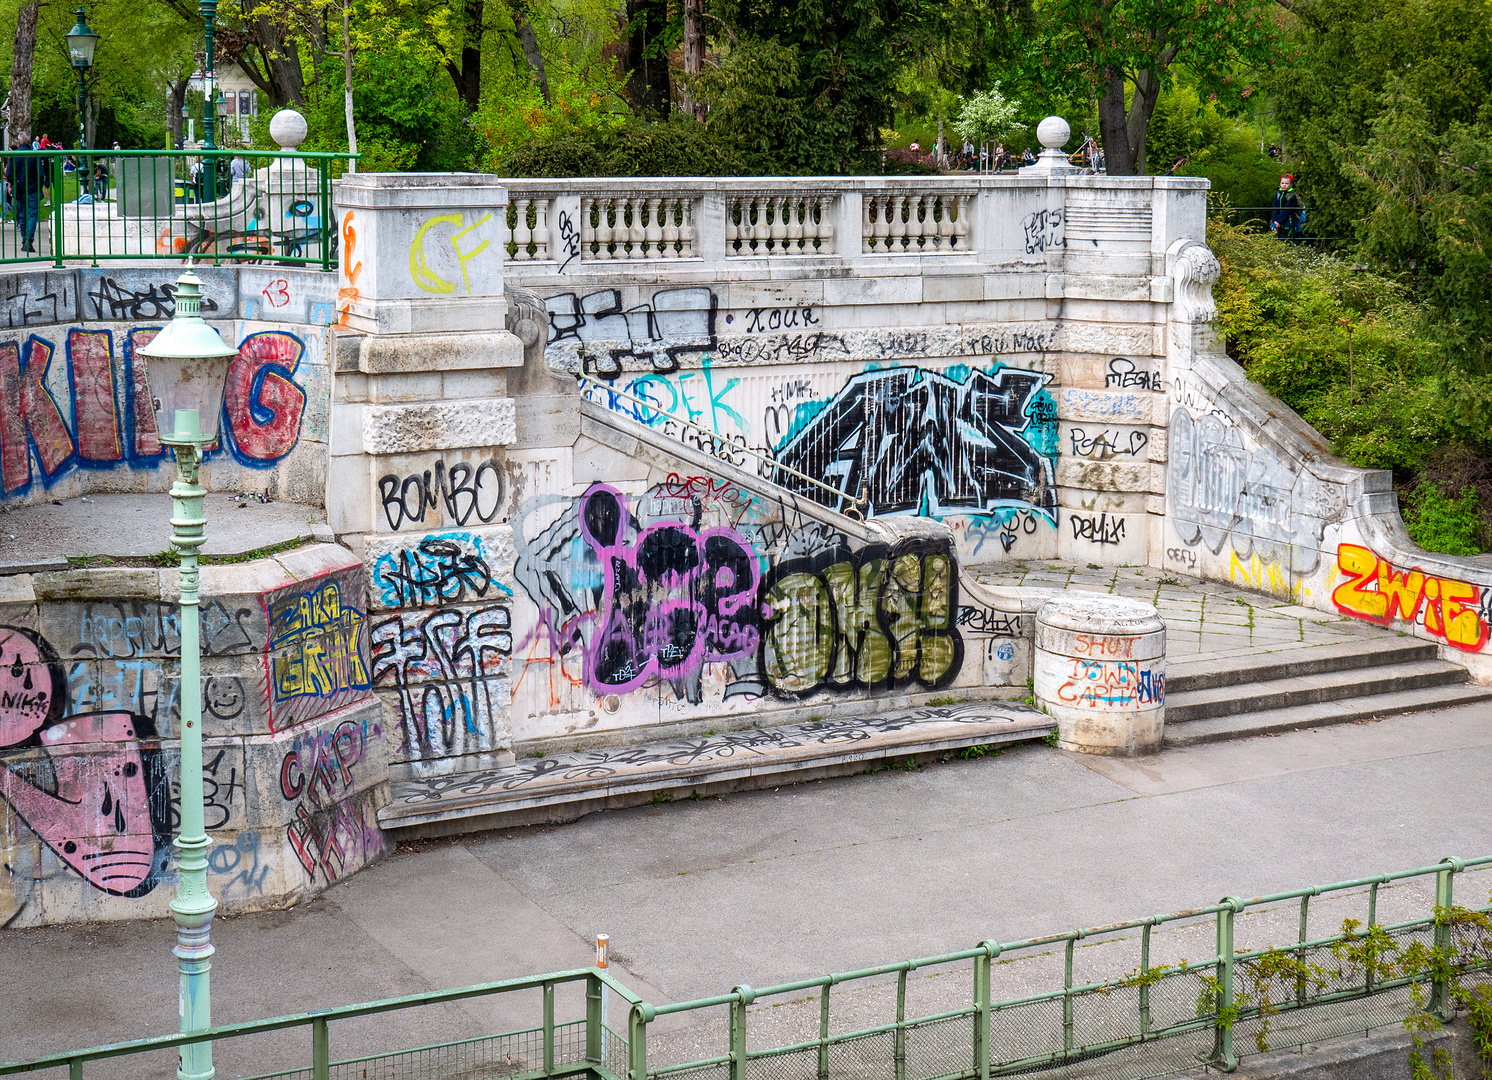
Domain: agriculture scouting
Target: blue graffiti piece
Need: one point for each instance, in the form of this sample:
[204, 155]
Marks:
[1005, 651]
[436, 571]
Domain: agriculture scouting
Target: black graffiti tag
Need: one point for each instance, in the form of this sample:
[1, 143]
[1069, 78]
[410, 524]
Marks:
[465, 490]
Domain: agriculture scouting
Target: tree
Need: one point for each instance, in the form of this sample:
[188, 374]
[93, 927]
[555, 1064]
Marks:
[1124, 52]
[22, 58]
[988, 117]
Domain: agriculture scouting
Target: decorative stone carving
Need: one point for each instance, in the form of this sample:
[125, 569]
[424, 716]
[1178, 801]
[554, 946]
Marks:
[1195, 270]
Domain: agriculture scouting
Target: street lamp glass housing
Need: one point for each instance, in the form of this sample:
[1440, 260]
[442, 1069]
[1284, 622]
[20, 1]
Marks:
[81, 41]
[187, 365]
[220, 106]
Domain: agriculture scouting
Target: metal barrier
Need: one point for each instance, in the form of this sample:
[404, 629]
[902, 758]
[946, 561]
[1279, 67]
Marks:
[1156, 1019]
[273, 207]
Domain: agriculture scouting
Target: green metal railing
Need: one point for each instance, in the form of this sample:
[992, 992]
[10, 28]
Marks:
[1158, 1018]
[170, 204]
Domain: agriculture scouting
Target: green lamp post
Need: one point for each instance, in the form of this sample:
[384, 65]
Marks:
[81, 41]
[187, 365]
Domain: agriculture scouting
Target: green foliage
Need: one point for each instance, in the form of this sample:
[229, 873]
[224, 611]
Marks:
[988, 116]
[679, 147]
[1222, 148]
[1385, 112]
[1449, 526]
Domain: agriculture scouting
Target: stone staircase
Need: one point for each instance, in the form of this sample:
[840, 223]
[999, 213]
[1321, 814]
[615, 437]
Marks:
[1268, 693]
[563, 787]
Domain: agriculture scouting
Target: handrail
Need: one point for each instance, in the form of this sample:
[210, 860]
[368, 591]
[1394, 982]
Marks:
[856, 505]
[1218, 1009]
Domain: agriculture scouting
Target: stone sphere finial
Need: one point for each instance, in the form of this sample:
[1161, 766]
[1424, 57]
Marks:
[1053, 132]
[288, 128]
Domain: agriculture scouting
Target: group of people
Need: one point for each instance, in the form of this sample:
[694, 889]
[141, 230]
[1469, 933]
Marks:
[987, 158]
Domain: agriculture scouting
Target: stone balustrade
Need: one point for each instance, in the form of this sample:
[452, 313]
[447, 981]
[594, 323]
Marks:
[567, 225]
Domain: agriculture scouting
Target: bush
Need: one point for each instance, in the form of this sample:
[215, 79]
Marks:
[1447, 526]
[679, 147]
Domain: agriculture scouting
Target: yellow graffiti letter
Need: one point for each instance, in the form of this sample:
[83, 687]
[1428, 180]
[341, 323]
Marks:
[465, 257]
[425, 278]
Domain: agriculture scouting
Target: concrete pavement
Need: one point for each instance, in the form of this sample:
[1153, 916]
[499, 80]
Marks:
[769, 886]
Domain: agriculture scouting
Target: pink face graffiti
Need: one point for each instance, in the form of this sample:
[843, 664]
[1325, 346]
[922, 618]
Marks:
[98, 822]
[26, 690]
[85, 793]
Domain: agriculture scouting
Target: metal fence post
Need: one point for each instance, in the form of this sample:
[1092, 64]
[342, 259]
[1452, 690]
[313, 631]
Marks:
[1222, 1050]
[548, 1028]
[824, 1033]
[321, 1049]
[901, 1024]
[982, 1003]
[1067, 1020]
[57, 176]
[1145, 978]
[595, 1033]
[75, 1069]
[744, 996]
[637, 1040]
[1441, 1003]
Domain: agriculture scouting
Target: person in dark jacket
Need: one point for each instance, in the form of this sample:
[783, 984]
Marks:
[1285, 210]
[28, 178]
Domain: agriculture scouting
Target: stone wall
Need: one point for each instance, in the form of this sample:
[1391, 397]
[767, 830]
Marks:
[294, 755]
[75, 417]
[1006, 377]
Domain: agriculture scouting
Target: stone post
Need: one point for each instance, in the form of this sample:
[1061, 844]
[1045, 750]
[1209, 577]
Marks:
[1100, 673]
[421, 389]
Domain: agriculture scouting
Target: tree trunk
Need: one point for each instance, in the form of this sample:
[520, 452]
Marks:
[530, 42]
[467, 75]
[347, 82]
[1112, 127]
[20, 72]
[1141, 108]
[694, 55]
[648, 84]
[174, 126]
[284, 81]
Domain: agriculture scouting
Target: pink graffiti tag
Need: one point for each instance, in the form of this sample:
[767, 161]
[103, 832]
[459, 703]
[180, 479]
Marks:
[263, 403]
[86, 798]
[673, 600]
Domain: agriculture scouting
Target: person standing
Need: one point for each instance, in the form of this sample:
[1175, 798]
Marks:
[28, 179]
[1285, 210]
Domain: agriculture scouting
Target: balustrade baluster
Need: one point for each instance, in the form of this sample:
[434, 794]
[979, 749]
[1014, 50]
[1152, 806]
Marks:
[541, 228]
[635, 232]
[945, 223]
[898, 242]
[732, 232]
[686, 228]
[867, 228]
[825, 229]
[587, 230]
[670, 232]
[777, 245]
[961, 223]
[522, 233]
[879, 242]
[748, 224]
[796, 210]
[653, 235]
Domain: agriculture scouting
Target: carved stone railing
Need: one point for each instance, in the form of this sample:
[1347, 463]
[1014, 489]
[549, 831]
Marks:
[599, 225]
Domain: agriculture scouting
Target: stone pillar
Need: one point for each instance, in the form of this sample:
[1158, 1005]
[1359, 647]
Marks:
[1100, 673]
[421, 412]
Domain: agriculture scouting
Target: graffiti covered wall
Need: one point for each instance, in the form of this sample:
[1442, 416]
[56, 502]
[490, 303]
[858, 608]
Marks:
[294, 762]
[75, 409]
[700, 596]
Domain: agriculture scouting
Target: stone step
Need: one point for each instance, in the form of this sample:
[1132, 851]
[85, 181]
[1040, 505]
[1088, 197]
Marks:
[1190, 705]
[1322, 713]
[567, 786]
[1292, 663]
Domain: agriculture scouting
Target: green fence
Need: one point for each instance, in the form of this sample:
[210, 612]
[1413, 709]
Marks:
[219, 205]
[1159, 1016]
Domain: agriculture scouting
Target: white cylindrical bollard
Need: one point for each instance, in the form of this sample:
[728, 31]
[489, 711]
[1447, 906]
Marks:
[1100, 672]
